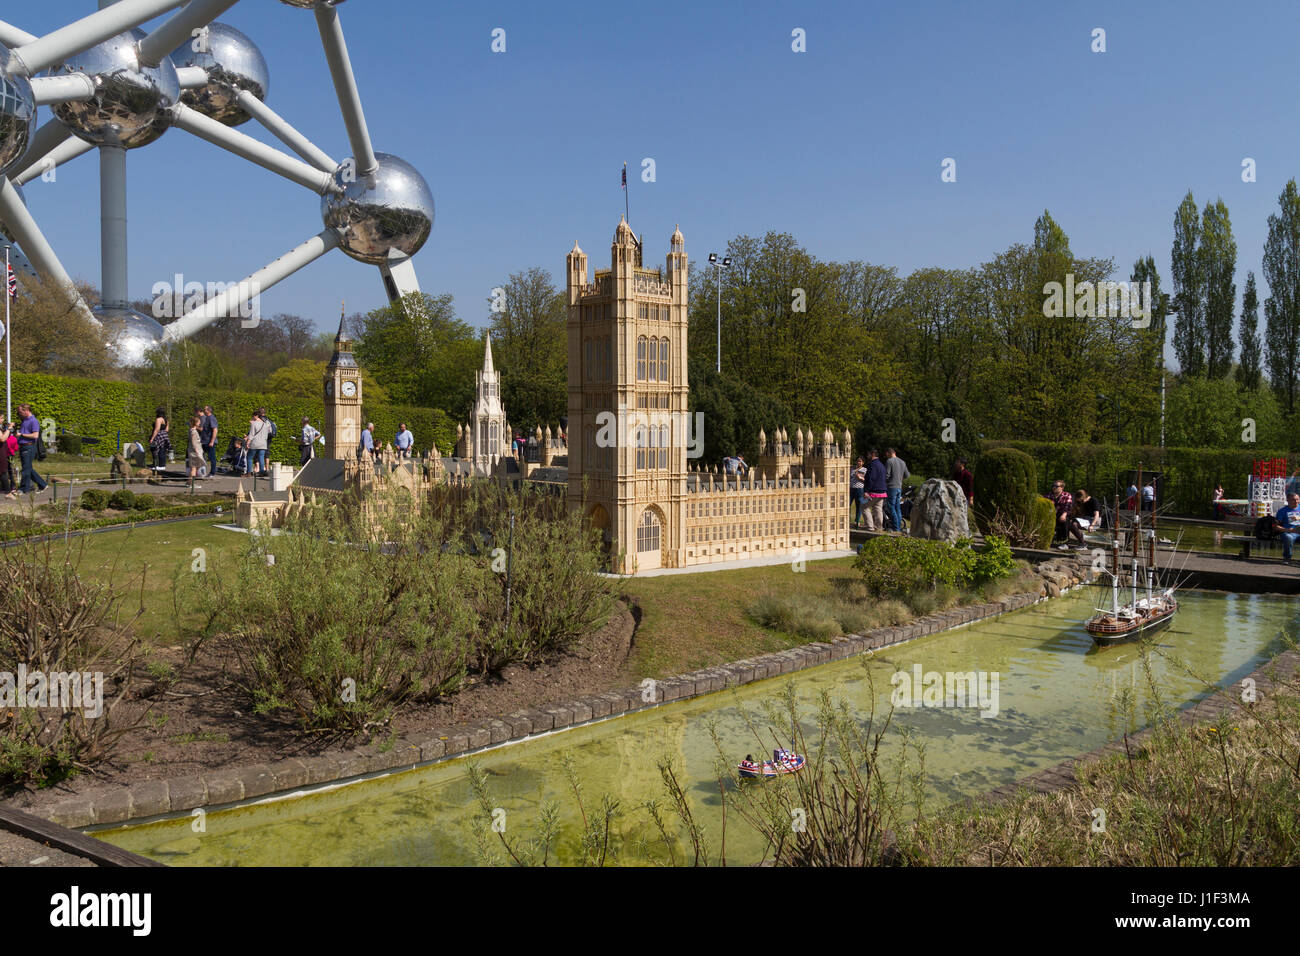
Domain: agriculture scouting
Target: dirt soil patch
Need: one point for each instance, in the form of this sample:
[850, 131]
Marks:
[206, 722]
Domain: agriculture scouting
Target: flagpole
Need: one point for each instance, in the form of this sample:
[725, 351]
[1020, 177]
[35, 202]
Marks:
[626, 214]
[9, 334]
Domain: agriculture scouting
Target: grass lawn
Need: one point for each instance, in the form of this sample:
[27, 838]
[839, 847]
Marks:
[690, 621]
[159, 553]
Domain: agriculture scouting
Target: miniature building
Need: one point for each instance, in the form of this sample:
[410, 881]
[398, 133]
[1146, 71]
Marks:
[342, 400]
[487, 437]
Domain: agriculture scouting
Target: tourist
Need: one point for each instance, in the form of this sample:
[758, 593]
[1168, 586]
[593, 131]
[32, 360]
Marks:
[1087, 511]
[404, 440]
[1065, 527]
[895, 474]
[255, 443]
[1131, 498]
[307, 442]
[1149, 497]
[194, 458]
[1219, 496]
[160, 443]
[8, 450]
[367, 448]
[962, 475]
[1286, 524]
[742, 468]
[208, 434]
[875, 491]
[29, 433]
[238, 457]
[857, 484]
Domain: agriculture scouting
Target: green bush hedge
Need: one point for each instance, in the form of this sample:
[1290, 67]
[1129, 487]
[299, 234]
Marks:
[92, 499]
[1044, 521]
[123, 500]
[100, 409]
[899, 566]
[1188, 474]
[1008, 480]
[108, 521]
[70, 444]
[144, 502]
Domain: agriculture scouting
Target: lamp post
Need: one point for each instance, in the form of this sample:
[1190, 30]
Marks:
[719, 263]
[1164, 326]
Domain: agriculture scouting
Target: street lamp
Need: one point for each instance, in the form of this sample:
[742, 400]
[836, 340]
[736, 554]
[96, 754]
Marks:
[723, 263]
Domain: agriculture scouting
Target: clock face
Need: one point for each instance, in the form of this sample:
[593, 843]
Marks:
[329, 387]
[349, 389]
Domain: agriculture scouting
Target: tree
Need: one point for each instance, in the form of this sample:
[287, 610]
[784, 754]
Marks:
[734, 411]
[420, 352]
[304, 378]
[1189, 289]
[1217, 257]
[1282, 307]
[530, 349]
[50, 335]
[1248, 371]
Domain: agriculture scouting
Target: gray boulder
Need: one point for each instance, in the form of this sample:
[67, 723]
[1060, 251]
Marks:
[939, 511]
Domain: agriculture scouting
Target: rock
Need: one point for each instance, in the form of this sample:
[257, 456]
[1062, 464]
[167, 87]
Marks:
[939, 511]
[1053, 590]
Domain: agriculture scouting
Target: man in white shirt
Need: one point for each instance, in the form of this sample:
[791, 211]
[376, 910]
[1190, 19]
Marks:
[307, 442]
[404, 441]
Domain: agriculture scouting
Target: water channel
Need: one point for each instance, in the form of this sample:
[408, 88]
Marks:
[1057, 697]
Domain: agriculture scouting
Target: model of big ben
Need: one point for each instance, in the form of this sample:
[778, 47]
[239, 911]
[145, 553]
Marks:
[342, 400]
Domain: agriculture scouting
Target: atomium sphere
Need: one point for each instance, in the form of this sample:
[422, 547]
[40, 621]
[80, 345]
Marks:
[131, 333]
[233, 63]
[391, 209]
[132, 106]
[17, 116]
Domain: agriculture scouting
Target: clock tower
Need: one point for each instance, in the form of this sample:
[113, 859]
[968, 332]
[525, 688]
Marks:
[342, 400]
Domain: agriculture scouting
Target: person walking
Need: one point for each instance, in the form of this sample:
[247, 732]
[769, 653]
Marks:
[307, 442]
[29, 433]
[857, 486]
[208, 436]
[259, 435]
[194, 459]
[962, 475]
[875, 491]
[403, 441]
[160, 442]
[8, 451]
[895, 474]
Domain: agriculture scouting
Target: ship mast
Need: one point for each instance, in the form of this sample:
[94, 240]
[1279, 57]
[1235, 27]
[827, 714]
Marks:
[1114, 561]
[1137, 534]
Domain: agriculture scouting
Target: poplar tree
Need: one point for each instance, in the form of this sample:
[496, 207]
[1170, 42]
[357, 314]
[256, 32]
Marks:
[1248, 371]
[1189, 288]
[1217, 258]
[1282, 307]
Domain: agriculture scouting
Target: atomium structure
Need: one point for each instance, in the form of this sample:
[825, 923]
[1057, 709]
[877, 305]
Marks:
[112, 87]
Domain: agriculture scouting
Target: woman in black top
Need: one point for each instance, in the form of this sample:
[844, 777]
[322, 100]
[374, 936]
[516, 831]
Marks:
[160, 441]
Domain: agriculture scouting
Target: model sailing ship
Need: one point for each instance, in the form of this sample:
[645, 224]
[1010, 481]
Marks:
[1151, 605]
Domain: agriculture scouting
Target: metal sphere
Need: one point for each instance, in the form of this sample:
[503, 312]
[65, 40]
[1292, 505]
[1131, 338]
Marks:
[132, 105]
[17, 115]
[131, 333]
[391, 209]
[233, 63]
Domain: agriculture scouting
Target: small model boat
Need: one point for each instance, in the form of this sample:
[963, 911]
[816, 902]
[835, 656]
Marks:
[1144, 612]
[786, 762]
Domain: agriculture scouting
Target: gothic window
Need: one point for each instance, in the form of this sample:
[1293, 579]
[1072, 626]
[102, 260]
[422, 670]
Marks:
[663, 446]
[641, 311]
[494, 442]
[640, 359]
[482, 439]
[640, 447]
[647, 532]
[589, 363]
[663, 360]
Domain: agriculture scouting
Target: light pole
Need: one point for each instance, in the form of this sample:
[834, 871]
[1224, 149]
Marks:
[723, 263]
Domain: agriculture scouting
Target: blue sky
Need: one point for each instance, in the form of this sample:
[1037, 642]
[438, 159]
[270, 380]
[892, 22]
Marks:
[840, 146]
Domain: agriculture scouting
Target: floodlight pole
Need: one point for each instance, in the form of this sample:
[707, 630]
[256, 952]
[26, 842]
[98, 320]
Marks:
[723, 262]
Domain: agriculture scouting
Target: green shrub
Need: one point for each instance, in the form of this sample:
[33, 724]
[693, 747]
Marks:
[1042, 523]
[92, 499]
[995, 561]
[144, 502]
[802, 615]
[122, 500]
[1008, 482]
[907, 567]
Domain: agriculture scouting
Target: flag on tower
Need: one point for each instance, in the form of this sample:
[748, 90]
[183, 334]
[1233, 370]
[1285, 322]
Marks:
[625, 175]
[13, 283]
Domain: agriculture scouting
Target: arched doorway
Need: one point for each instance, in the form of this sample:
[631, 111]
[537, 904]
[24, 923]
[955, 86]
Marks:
[598, 518]
[649, 540]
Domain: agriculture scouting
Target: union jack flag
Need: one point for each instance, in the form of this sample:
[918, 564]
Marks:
[625, 175]
[13, 284]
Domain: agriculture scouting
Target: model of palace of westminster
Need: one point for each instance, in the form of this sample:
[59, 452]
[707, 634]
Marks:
[626, 465]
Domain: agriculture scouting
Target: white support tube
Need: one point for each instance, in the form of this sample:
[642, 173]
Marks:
[30, 58]
[227, 303]
[39, 254]
[48, 136]
[345, 85]
[48, 90]
[65, 152]
[281, 130]
[112, 227]
[11, 36]
[191, 77]
[246, 147]
[179, 28]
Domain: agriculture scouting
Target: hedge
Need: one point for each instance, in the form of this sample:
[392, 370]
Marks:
[100, 409]
[1188, 474]
[125, 520]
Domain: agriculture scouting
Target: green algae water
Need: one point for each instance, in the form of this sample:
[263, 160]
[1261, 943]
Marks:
[1057, 697]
